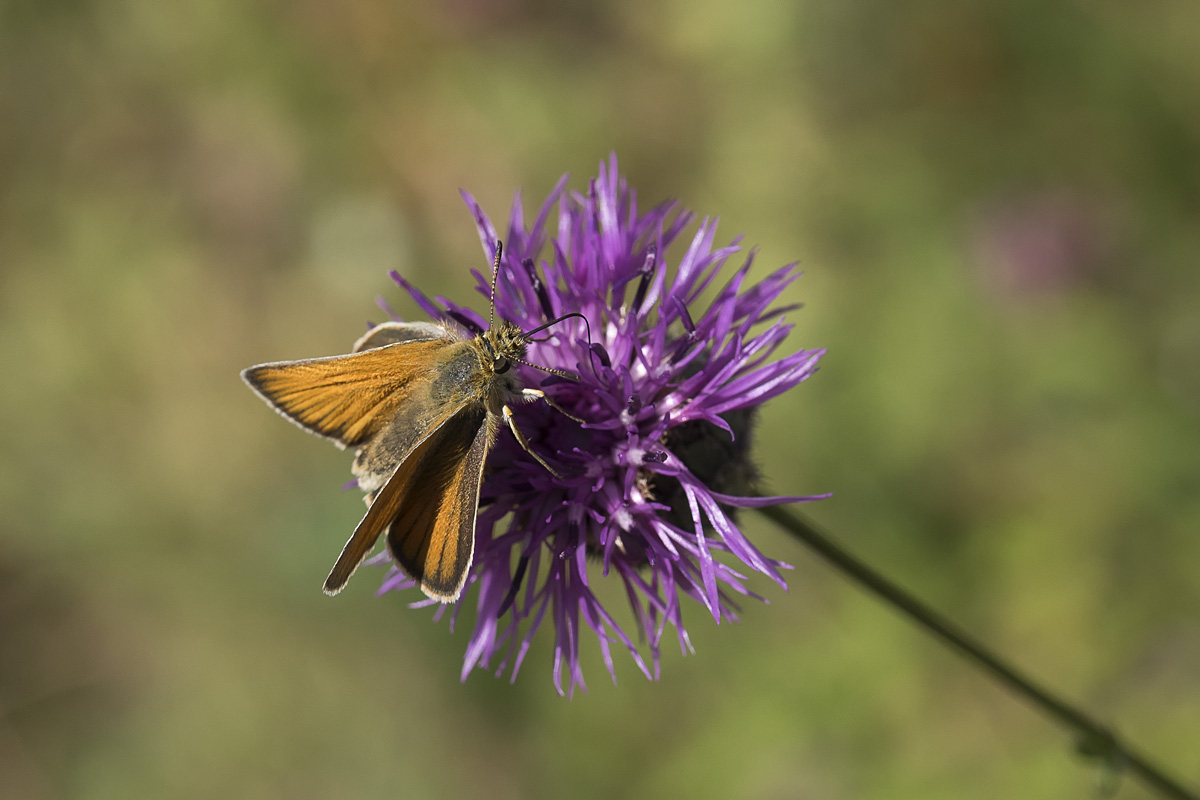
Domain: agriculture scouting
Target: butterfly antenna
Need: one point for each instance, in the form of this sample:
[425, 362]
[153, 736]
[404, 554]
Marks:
[540, 328]
[495, 275]
[562, 373]
[527, 335]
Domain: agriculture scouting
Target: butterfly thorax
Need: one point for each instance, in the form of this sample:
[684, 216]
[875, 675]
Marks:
[489, 378]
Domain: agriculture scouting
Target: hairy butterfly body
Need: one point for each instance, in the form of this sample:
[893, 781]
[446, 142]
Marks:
[422, 406]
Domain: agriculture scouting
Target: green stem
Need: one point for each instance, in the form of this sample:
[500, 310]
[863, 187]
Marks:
[1093, 738]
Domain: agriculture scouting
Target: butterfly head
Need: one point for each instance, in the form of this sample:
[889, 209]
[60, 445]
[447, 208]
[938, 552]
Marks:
[505, 345]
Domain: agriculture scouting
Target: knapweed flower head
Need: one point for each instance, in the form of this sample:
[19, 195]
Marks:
[652, 477]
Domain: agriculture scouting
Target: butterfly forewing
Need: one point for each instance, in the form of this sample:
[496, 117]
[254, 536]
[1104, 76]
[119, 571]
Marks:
[346, 398]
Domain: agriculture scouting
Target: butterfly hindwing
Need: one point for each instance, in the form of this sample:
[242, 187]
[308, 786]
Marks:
[431, 534]
[428, 507]
[387, 333]
[383, 468]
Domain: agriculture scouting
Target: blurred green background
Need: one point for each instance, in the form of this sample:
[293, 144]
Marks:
[997, 205]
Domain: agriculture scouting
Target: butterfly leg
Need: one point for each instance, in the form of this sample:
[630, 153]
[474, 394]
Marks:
[538, 394]
[521, 440]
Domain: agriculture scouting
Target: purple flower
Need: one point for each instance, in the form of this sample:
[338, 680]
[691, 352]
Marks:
[653, 477]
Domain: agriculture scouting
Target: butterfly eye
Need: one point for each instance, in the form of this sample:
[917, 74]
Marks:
[500, 365]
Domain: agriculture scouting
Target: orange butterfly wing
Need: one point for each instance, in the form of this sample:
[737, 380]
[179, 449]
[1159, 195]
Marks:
[420, 461]
[432, 534]
[346, 398]
[428, 507]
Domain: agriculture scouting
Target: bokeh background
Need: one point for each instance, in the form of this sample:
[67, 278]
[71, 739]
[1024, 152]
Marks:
[997, 205]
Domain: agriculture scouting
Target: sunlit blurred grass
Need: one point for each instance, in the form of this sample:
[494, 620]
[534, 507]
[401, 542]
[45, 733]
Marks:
[995, 205]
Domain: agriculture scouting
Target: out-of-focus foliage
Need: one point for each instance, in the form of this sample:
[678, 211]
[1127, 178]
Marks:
[998, 207]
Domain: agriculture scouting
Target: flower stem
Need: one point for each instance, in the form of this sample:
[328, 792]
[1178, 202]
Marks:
[1094, 739]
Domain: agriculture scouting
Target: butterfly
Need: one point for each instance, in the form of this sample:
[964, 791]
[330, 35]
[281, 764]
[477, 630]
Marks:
[422, 404]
